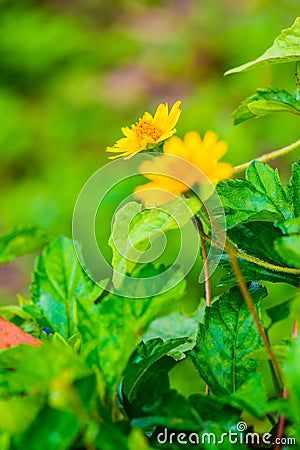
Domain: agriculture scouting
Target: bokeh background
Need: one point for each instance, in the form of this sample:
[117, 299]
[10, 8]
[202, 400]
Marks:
[73, 72]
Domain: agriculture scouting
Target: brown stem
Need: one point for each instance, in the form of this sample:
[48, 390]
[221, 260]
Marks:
[281, 426]
[198, 225]
[249, 302]
[282, 420]
[295, 330]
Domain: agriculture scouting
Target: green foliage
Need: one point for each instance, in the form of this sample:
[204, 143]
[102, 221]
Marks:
[133, 228]
[225, 340]
[260, 196]
[266, 101]
[286, 48]
[255, 209]
[58, 281]
[144, 357]
[292, 372]
[20, 241]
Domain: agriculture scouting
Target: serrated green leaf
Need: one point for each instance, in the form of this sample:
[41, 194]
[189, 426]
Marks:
[21, 241]
[146, 354]
[116, 325]
[257, 239]
[260, 197]
[225, 339]
[295, 184]
[266, 101]
[286, 48]
[57, 281]
[133, 227]
[266, 180]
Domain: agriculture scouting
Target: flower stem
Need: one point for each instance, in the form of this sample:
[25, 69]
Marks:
[268, 156]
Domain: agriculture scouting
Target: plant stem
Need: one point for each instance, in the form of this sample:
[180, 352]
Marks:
[268, 156]
[199, 227]
[295, 330]
[282, 420]
[239, 254]
[249, 302]
[273, 372]
[281, 426]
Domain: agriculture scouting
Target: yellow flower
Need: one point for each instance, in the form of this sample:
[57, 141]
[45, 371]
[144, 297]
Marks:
[173, 176]
[148, 130]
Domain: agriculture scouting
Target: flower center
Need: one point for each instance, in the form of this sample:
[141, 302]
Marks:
[145, 128]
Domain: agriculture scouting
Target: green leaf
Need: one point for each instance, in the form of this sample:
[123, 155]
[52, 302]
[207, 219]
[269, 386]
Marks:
[251, 396]
[16, 413]
[113, 328]
[291, 370]
[112, 437]
[257, 239]
[146, 354]
[286, 48]
[260, 197]
[280, 312]
[266, 180]
[52, 429]
[198, 413]
[31, 370]
[291, 226]
[21, 241]
[288, 248]
[295, 184]
[58, 280]
[266, 101]
[133, 226]
[225, 339]
[153, 385]
[173, 411]
[177, 325]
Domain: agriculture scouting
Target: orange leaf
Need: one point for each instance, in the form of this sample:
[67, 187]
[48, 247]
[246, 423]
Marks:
[11, 335]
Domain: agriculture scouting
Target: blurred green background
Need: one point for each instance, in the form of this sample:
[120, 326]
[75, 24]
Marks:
[73, 72]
